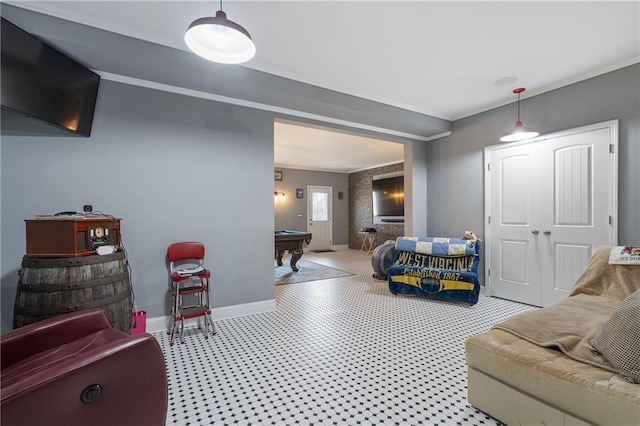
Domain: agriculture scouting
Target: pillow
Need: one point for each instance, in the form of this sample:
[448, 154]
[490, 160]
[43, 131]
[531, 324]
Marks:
[624, 255]
[619, 338]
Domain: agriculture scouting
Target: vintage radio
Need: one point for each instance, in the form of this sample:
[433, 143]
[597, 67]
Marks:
[71, 236]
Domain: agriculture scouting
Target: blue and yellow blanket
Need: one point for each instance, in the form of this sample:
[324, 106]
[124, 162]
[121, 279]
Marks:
[440, 268]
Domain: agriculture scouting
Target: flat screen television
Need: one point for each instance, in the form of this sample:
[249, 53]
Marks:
[388, 198]
[40, 84]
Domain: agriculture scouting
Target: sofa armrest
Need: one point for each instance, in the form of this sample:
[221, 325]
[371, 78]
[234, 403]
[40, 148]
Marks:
[34, 338]
[132, 378]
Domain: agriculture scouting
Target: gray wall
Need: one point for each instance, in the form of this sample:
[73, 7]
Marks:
[287, 210]
[415, 188]
[131, 167]
[455, 163]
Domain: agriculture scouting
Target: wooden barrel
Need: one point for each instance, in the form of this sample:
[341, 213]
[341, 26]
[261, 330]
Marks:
[52, 286]
[382, 258]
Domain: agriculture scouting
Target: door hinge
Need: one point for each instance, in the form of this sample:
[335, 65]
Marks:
[489, 272]
[611, 148]
[610, 220]
[488, 167]
[488, 219]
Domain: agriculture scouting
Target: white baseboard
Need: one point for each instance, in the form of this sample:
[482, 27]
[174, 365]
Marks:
[156, 324]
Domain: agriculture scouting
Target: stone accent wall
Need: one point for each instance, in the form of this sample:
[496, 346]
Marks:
[361, 207]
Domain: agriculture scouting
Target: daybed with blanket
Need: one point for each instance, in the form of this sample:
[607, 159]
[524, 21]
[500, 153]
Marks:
[439, 268]
[574, 362]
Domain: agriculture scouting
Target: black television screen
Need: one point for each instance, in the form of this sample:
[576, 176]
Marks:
[388, 199]
[40, 82]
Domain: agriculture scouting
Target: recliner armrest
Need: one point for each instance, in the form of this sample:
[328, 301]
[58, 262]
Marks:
[34, 338]
[132, 379]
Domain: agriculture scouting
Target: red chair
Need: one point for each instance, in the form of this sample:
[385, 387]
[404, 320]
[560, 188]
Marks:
[189, 288]
[76, 369]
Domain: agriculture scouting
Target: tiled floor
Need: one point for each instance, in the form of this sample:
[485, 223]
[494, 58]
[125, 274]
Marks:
[340, 351]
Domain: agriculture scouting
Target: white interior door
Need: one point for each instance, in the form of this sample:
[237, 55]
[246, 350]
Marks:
[319, 212]
[515, 224]
[550, 203]
[576, 215]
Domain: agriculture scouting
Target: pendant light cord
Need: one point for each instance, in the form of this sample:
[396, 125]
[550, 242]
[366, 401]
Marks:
[220, 4]
[518, 99]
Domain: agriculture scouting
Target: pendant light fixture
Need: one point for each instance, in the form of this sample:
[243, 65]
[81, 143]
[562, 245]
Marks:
[219, 40]
[519, 132]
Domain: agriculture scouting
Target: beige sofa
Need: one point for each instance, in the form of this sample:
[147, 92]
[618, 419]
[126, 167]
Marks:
[542, 368]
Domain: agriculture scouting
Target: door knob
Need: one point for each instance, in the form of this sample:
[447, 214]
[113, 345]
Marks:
[546, 232]
[535, 231]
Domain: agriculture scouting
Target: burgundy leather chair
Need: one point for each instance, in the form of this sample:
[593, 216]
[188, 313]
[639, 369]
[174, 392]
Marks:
[76, 369]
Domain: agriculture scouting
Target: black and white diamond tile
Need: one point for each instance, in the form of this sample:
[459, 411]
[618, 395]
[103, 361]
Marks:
[342, 351]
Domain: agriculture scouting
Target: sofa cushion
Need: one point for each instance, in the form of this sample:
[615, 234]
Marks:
[618, 339]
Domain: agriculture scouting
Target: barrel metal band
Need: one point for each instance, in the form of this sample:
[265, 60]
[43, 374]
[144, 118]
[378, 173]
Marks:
[75, 285]
[63, 308]
[63, 262]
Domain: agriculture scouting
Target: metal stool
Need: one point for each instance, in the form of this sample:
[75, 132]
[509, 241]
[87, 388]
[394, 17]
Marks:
[189, 288]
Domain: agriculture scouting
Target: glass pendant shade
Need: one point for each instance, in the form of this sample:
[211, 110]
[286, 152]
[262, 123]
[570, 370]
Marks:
[219, 40]
[519, 132]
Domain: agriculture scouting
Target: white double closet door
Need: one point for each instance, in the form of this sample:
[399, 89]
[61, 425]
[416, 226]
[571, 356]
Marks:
[548, 203]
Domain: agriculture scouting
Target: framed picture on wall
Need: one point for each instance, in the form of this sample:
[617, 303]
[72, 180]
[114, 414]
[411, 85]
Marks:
[299, 193]
[277, 175]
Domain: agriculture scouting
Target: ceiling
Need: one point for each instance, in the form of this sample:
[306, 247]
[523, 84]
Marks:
[307, 147]
[447, 60]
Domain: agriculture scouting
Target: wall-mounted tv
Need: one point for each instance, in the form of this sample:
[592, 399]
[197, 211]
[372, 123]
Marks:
[388, 198]
[40, 84]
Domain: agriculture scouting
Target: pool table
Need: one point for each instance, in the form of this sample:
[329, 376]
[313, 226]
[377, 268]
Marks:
[294, 241]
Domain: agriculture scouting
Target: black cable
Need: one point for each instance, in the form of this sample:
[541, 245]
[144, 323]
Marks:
[103, 214]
